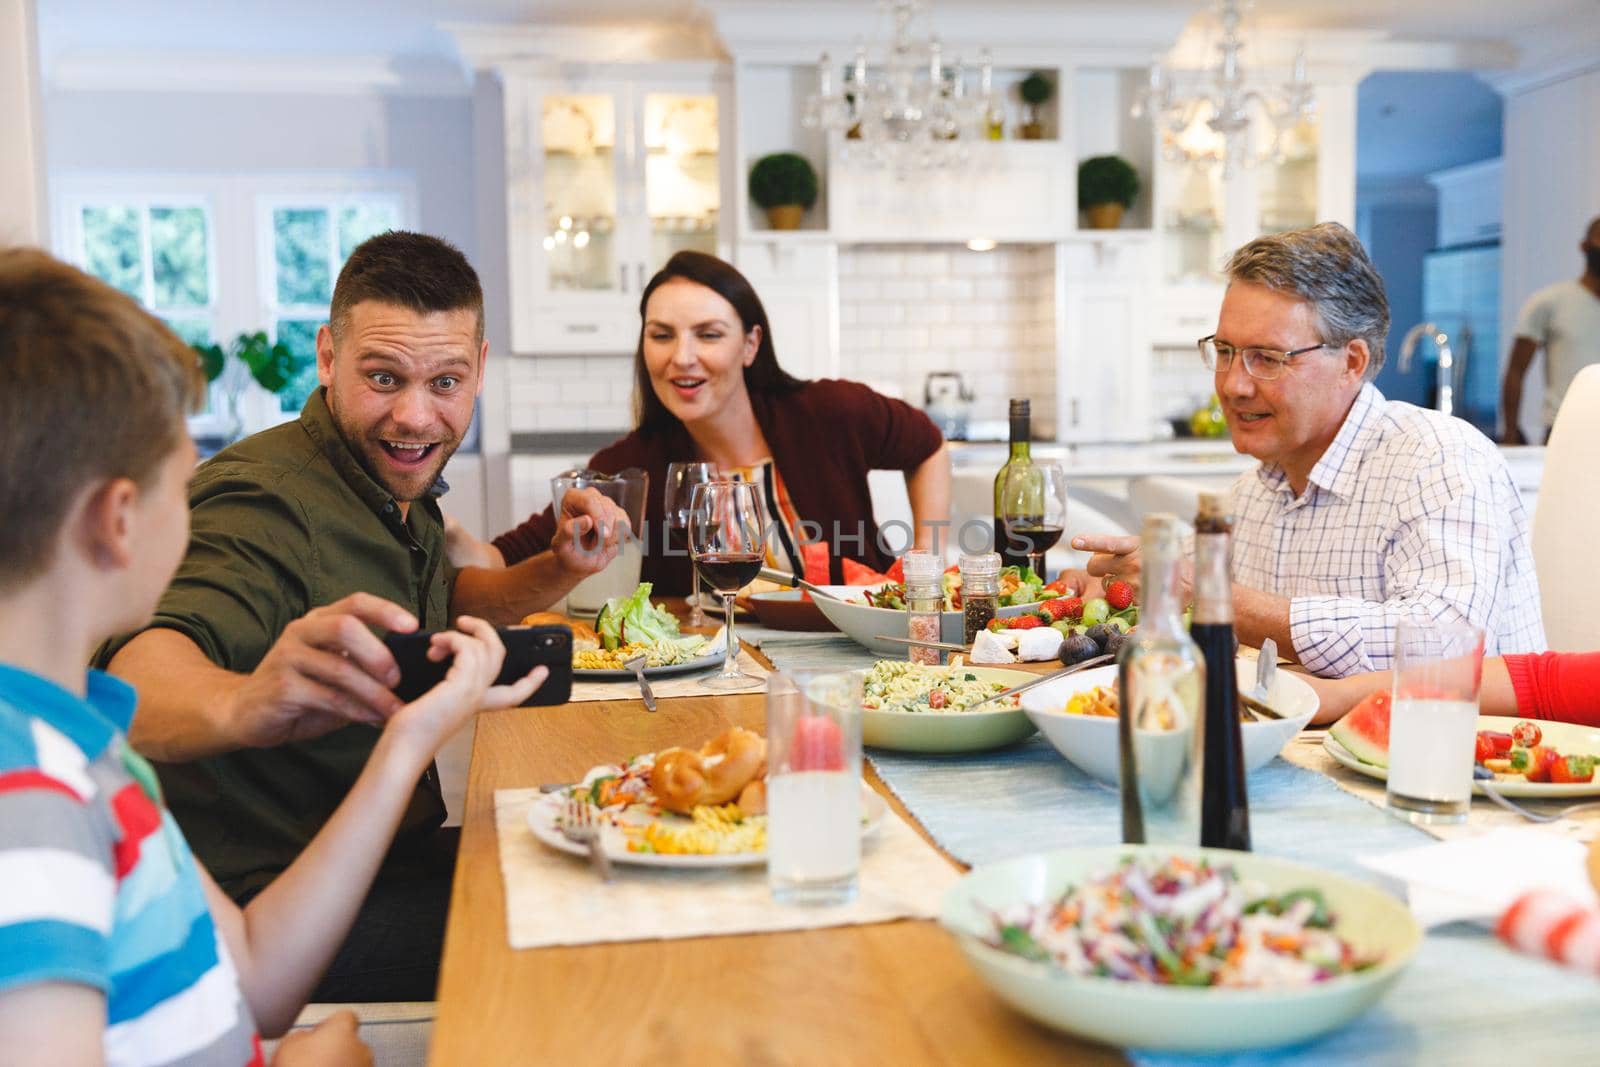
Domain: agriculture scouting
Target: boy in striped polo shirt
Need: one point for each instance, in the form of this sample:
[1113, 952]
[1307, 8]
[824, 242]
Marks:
[116, 947]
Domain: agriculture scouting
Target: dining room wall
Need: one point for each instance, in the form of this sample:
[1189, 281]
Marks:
[430, 137]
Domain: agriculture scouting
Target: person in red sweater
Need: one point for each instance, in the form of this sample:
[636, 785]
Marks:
[708, 387]
[1546, 685]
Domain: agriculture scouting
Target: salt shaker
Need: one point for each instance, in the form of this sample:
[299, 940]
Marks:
[924, 601]
[980, 592]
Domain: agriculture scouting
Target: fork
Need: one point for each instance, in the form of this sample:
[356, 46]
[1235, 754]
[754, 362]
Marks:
[1533, 816]
[636, 665]
[579, 826]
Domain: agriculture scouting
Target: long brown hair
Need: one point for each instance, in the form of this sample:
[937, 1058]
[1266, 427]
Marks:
[763, 375]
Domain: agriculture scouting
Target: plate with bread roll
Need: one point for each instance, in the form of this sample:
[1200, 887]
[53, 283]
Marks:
[632, 626]
[681, 807]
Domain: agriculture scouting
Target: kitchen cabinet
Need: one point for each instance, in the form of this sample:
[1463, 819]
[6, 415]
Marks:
[608, 173]
[1102, 341]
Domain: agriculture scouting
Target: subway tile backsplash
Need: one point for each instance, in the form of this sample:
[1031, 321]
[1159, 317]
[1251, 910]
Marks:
[905, 313]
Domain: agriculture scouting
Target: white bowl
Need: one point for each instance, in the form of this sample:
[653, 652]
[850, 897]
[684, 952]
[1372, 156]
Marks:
[1176, 1018]
[954, 731]
[1090, 741]
[865, 623]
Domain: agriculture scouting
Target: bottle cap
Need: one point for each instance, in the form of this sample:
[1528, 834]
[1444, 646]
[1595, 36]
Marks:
[980, 565]
[921, 566]
[1020, 405]
[1213, 505]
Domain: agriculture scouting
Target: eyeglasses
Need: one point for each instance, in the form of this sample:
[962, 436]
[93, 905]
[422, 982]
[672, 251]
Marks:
[1263, 363]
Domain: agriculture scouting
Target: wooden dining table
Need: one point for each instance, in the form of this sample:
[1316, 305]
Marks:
[884, 993]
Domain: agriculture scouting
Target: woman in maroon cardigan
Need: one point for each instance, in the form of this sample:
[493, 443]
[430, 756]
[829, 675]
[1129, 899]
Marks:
[707, 386]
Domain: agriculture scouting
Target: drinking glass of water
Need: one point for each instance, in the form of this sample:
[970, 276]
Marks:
[814, 786]
[1433, 721]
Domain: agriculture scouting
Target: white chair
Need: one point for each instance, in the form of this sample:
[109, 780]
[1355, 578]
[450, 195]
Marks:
[1566, 518]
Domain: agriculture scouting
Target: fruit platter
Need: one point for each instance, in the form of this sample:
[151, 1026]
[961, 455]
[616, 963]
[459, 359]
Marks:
[1518, 757]
[679, 807]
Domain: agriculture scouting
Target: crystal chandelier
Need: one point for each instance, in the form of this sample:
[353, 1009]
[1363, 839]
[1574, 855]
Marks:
[1229, 109]
[906, 108]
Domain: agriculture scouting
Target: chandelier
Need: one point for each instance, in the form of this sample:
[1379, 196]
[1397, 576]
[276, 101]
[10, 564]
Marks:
[1229, 110]
[905, 107]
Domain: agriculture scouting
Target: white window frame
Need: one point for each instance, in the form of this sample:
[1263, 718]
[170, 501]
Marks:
[307, 193]
[240, 256]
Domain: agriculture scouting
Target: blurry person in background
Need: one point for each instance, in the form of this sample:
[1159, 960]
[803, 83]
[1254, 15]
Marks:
[1564, 320]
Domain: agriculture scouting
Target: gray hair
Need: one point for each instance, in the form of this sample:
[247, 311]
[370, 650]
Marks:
[1325, 266]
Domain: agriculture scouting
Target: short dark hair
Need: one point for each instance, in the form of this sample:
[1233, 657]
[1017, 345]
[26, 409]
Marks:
[1325, 266]
[92, 387]
[763, 375]
[409, 270]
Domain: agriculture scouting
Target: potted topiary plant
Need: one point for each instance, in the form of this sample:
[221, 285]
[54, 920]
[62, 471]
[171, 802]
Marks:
[1035, 91]
[1107, 186]
[785, 184]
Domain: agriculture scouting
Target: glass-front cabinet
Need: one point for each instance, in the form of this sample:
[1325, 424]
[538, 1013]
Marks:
[604, 185]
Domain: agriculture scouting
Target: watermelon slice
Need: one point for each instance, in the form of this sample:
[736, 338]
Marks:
[1365, 730]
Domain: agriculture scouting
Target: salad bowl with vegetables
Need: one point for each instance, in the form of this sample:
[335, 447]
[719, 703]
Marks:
[866, 613]
[1180, 949]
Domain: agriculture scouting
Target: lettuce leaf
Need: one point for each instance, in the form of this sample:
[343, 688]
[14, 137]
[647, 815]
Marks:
[634, 620]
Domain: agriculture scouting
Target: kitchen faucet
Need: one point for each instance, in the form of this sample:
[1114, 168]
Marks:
[1447, 377]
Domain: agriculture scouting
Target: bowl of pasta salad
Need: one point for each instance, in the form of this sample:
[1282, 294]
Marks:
[912, 707]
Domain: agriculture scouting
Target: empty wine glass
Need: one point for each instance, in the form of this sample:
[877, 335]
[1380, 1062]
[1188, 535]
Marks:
[727, 538]
[681, 480]
[1033, 507]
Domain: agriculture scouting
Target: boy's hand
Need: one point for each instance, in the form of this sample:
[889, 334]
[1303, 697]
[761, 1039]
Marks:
[468, 687]
[326, 670]
[332, 1042]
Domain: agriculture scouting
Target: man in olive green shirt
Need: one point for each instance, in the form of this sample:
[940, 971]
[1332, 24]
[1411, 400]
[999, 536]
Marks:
[262, 683]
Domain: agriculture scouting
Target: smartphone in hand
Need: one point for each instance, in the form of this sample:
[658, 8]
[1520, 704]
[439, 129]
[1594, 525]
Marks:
[527, 647]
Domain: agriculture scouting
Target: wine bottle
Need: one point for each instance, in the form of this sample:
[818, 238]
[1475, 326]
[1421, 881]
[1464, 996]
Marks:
[1013, 552]
[1161, 678]
[1224, 805]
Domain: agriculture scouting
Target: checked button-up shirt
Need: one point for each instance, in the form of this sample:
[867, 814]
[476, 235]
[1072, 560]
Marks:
[1409, 511]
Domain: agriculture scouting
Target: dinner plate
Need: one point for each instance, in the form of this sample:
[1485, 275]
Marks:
[1569, 739]
[546, 807]
[686, 667]
[789, 609]
[951, 731]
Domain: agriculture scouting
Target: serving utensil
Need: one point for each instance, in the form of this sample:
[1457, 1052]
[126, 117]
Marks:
[636, 665]
[1266, 668]
[1093, 661]
[794, 581]
[922, 644]
[579, 826]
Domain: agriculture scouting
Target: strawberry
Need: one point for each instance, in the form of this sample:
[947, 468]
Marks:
[1024, 622]
[1119, 595]
[996, 625]
[1071, 608]
[1572, 770]
[1056, 610]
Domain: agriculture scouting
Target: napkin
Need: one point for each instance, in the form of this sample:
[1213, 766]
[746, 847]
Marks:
[1478, 879]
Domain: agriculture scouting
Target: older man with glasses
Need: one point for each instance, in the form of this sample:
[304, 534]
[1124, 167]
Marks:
[1363, 510]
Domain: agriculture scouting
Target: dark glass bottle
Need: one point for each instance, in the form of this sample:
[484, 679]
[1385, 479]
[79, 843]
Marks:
[1224, 805]
[1013, 553]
